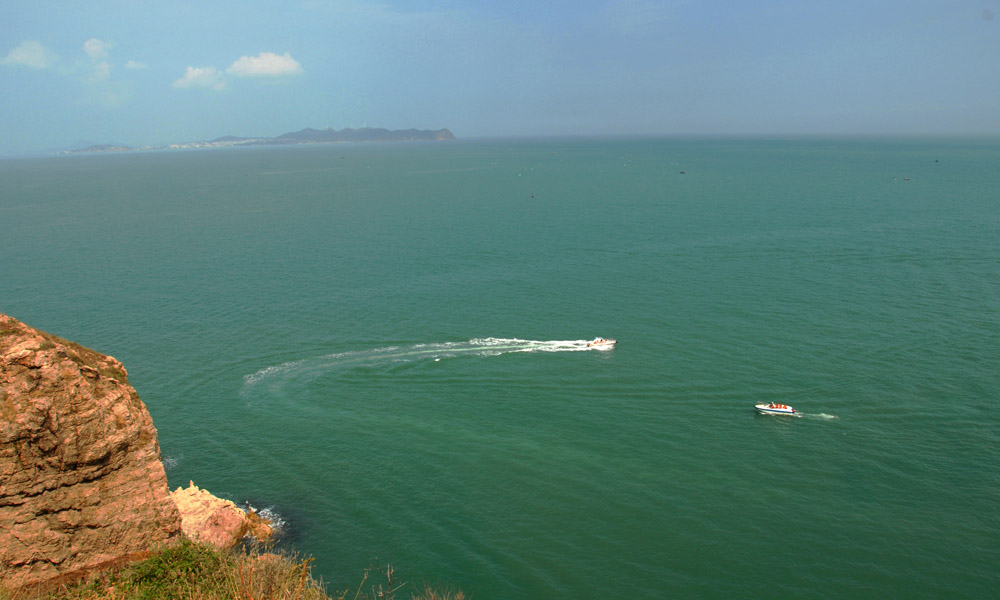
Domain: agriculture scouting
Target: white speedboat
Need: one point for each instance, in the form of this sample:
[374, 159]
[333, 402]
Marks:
[602, 343]
[773, 408]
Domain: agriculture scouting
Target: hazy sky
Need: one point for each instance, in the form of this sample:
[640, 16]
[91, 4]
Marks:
[151, 72]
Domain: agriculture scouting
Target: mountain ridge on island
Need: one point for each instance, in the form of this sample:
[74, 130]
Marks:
[304, 136]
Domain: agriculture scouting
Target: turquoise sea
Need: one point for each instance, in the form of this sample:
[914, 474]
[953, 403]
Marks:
[384, 346]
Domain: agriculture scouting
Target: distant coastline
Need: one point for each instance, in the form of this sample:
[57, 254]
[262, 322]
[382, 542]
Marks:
[305, 136]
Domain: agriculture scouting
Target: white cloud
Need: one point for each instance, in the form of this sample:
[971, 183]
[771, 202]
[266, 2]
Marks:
[102, 71]
[134, 65]
[265, 64]
[96, 49]
[30, 54]
[201, 77]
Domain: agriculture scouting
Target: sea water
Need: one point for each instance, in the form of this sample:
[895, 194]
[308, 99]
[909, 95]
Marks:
[385, 345]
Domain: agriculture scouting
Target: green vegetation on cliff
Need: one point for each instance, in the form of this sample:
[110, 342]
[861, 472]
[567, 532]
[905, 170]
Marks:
[191, 570]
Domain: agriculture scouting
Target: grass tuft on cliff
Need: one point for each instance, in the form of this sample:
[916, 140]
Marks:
[192, 570]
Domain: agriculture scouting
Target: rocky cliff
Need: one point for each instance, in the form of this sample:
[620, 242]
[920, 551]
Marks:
[81, 482]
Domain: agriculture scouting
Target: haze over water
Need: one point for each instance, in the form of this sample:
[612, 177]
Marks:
[386, 345]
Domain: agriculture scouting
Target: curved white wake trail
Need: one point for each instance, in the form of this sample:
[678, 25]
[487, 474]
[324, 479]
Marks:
[491, 346]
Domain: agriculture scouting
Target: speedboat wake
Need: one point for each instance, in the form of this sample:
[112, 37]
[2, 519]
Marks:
[375, 357]
[823, 416]
[772, 408]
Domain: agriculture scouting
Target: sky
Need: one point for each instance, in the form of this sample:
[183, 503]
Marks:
[76, 72]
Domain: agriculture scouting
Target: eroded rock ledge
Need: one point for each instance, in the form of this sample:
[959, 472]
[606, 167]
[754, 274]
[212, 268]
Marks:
[205, 518]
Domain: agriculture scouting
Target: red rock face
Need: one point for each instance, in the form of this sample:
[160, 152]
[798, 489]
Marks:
[81, 482]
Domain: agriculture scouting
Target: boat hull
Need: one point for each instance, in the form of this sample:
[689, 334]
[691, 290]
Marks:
[602, 344]
[764, 409]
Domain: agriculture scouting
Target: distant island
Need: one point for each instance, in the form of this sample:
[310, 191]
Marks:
[305, 136]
